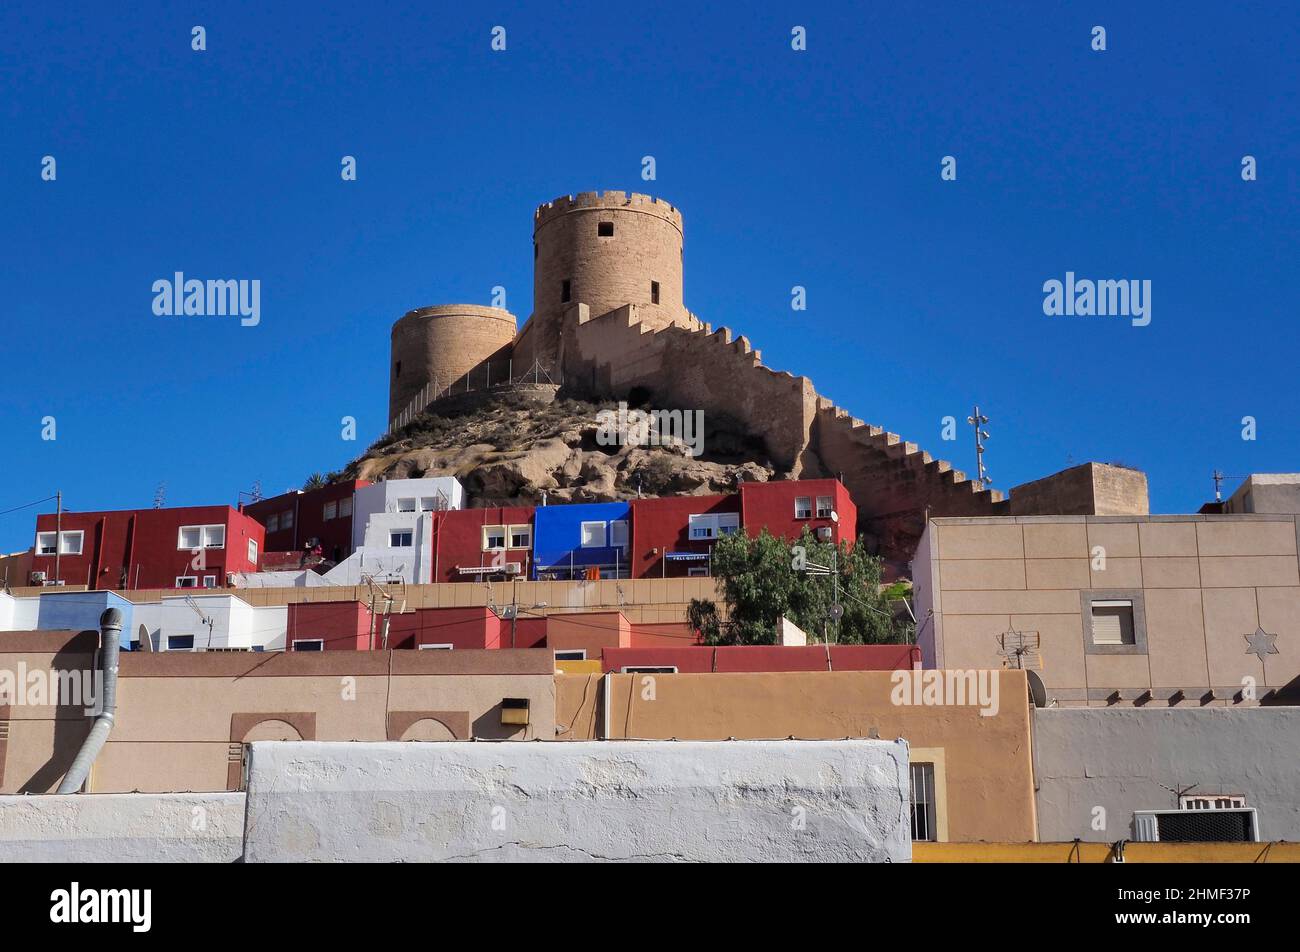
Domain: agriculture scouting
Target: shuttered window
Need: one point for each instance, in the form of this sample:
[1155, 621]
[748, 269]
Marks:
[1112, 622]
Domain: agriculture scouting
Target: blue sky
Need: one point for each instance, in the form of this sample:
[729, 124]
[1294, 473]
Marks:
[817, 168]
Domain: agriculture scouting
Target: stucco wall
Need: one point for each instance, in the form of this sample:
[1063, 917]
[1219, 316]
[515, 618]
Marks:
[786, 801]
[982, 763]
[1126, 759]
[1203, 584]
[122, 828]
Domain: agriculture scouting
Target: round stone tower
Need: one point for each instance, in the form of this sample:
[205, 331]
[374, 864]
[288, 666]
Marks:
[603, 250]
[439, 345]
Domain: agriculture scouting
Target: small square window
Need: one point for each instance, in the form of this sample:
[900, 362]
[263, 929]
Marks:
[406, 505]
[401, 539]
[209, 581]
[618, 533]
[286, 519]
[605, 229]
[521, 537]
[273, 523]
[566, 290]
[654, 292]
[593, 535]
[46, 543]
[331, 510]
[187, 581]
[824, 507]
[803, 507]
[345, 507]
[252, 551]
[1112, 622]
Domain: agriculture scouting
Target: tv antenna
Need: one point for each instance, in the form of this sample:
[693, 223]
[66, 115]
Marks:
[160, 495]
[1218, 484]
[1020, 649]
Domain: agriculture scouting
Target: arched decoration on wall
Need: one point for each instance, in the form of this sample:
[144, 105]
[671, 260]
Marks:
[426, 725]
[276, 725]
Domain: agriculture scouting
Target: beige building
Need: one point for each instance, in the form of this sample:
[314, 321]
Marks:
[971, 766]
[183, 719]
[1164, 610]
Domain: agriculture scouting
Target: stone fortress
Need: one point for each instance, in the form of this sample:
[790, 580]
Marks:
[609, 322]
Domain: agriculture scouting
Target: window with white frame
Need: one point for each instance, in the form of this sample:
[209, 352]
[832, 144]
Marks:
[924, 818]
[70, 542]
[1112, 622]
[209, 581]
[401, 539]
[252, 551]
[825, 506]
[331, 511]
[494, 537]
[308, 644]
[406, 505]
[187, 581]
[202, 537]
[428, 504]
[802, 507]
[273, 522]
[571, 654]
[521, 537]
[180, 642]
[618, 533]
[593, 535]
[345, 507]
[711, 525]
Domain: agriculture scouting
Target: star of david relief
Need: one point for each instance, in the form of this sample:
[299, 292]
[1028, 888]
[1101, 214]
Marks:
[1261, 643]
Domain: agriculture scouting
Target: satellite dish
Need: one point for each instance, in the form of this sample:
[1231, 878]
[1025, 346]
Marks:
[1037, 692]
[146, 643]
[835, 516]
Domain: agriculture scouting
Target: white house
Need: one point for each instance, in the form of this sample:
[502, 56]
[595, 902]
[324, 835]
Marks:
[392, 530]
[409, 497]
[207, 622]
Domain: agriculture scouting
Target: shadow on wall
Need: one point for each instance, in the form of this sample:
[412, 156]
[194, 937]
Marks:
[71, 724]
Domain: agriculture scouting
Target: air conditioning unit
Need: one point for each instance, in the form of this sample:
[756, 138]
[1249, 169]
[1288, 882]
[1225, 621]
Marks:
[824, 533]
[514, 568]
[1236, 825]
[38, 578]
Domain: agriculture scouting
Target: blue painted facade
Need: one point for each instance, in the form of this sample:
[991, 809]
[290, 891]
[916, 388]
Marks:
[80, 611]
[558, 549]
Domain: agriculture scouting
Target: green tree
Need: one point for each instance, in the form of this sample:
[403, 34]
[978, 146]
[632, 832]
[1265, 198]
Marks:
[315, 481]
[762, 579]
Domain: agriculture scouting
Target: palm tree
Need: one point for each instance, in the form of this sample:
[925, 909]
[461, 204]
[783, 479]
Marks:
[315, 481]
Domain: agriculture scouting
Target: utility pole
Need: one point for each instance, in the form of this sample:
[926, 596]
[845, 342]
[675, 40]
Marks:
[58, 533]
[977, 420]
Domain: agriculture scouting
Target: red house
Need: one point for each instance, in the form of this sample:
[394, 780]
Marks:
[293, 519]
[189, 547]
[673, 537]
[785, 508]
[471, 544]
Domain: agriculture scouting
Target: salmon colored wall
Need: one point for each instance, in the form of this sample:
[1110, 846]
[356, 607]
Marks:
[987, 768]
[591, 631]
[766, 658]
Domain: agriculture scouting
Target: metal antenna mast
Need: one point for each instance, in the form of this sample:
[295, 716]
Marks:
[977, 420]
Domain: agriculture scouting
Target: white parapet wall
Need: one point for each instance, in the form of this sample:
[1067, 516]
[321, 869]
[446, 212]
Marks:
[651, 801]
[122, 828]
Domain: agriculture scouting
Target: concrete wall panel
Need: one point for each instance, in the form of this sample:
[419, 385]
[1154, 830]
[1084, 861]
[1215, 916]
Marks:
[585, 801]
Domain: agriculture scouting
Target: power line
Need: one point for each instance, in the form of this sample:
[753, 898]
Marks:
[27, 506]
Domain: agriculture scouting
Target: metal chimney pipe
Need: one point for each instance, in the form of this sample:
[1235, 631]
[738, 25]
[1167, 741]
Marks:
[110, 631]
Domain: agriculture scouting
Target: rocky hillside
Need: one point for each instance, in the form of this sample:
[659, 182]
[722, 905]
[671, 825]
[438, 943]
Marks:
[513, 449]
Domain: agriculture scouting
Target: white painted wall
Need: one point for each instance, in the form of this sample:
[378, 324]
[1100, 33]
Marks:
[377, 558]
[377, 498]
[23, 613]
[581, 801]
[6, 612]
